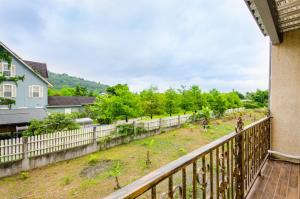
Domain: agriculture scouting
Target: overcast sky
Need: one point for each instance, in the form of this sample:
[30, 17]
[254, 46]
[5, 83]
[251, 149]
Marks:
[167, 43]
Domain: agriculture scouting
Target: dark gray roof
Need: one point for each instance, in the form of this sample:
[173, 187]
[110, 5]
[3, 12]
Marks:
[21, 116]
[69, 100]
[38, 67]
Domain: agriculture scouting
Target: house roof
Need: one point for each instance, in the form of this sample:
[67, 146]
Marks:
[21, 116]
[61, 101]
[25, 64]
[275, 17]
[38, 67]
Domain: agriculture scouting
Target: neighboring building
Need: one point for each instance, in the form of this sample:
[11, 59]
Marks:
[68, 104]
[31, 95]
[32, 92]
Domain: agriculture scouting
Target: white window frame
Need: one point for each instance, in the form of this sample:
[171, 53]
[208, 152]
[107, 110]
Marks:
[12, 69]
[40, 91]
[13, 90]
[68, 110]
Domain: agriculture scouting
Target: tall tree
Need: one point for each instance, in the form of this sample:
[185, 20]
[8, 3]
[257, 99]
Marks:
[233, 99]
[187, 102]
[117, 104]
[218, 102]
[151, 102]
[171, 101]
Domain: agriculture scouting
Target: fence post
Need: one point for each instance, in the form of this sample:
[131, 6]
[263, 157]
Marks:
[134, 127]
[239, 160]
[178, 121]
[160, 122]
[94, 135]
[25, 160]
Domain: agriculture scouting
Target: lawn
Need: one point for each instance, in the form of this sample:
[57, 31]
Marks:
[78, 178]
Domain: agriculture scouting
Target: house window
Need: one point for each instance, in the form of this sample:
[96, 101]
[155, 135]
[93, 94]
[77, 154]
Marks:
[36, 91]
[7, 71]
[8, 91]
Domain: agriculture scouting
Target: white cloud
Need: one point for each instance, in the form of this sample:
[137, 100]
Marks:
[215, 44]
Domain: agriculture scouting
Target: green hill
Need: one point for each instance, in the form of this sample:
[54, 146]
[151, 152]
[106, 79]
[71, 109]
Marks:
[60, 80]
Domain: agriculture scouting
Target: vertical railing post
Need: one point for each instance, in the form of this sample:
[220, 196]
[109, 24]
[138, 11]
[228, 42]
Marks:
[178, 121]
[239, 160]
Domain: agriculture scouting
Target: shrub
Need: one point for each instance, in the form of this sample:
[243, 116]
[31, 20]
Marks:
[92, 160]
[251, 105]
[182, 151]
[67, 180]
[140, 130]
[24, 175]
[104, 120]
[125, 129]
[54, 122]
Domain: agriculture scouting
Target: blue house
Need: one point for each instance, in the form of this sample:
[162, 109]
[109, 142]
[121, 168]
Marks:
[30, 95]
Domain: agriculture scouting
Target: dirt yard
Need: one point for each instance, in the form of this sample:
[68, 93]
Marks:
[90, 176]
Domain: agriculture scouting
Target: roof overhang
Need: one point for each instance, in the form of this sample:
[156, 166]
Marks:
[20, 116]
[275, 17]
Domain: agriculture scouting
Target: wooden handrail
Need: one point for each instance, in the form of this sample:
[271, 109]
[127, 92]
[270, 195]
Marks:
[145, 183]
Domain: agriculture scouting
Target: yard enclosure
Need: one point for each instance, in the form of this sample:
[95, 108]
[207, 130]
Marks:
[19, 154]
[66, 179]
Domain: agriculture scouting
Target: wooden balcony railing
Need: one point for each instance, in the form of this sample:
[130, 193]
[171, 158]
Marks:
[225, 168]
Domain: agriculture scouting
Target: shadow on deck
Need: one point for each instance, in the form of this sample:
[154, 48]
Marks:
[279, 180]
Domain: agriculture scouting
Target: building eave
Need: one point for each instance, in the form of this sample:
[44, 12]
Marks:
[274, 17]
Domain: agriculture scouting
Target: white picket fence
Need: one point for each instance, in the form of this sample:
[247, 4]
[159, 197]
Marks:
[53, 142]
[13, 149]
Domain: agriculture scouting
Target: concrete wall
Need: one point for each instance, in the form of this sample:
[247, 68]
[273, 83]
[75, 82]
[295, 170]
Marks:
[63, 109]
[22, 97]
[285, 94]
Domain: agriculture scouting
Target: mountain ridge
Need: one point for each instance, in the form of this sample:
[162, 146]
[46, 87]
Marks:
[60, 80]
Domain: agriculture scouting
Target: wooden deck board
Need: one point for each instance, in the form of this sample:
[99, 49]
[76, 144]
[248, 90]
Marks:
[279, 180]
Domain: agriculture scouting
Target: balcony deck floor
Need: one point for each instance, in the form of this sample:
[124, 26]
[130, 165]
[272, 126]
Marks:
[279, 180]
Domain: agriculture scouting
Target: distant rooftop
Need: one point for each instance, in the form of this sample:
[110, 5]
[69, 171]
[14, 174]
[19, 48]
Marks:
[38, 67]
[21, 116]
[57, 101]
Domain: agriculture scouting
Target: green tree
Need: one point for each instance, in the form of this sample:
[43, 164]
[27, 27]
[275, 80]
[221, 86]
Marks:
[233, 100]
[217, 102]
[119, 103]
[260, 97]
[171, 101]
[186, 100]
[80, 91]
[151, 103]
[116, 172]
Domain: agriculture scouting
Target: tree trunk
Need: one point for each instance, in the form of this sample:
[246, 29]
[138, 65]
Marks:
[148, 162]
[117, 183]
[126, 118]
[151, 116]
